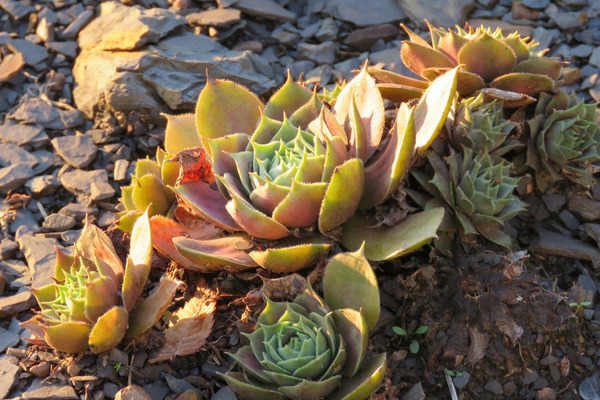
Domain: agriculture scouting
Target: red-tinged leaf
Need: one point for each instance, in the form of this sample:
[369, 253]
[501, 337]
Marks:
[194, 166]
[254, 222]
[100, 296]
[431, 112]
[93, 242]
[217, 254]
[510, 99]
[134, 280]
[353, 327]
[34, 325]
[148, 311]
[467, 82]
[399, 93]
[149, 191]
[165, 229]
[369, 104]
[418, 57]
[180, 133]
[364, 383]
[526, 83]
[383, 76]
[487, 57]
[383, 175]
[291, 256]
[69, 337]
[224, 108]
[141, 241]
[301, 206]
[384, 243]
[289, 98]
[109, 330]
[545, 66]
[208, 203]
[415, 38]
[193, 325]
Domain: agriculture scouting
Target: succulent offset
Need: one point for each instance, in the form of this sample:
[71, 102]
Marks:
[94, 303]
[313, 348]
[501, 67]
[564, 140]
[294, 171]
[477, 188]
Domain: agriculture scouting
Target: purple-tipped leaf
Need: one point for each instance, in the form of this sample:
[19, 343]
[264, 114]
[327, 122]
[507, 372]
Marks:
[312, 389]
[383, 76]
[301, 206]
[216, 253]
[100, 296]
[254, 222]
[251, 390]
[289, 98]
[545, 66]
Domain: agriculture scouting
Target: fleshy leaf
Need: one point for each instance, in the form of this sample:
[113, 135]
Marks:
[399, 93]
[109, 330]
[134, 281]
[149, 191]
[467, 82]
[510, 99]
[287, 259]
[311, 389]
[384, 243]
[487, 57]
[180, 133]
[431, 112]
[301, 206]
[216, 254]
[342, 195]
[140, 249]
[70, 337]
[418, 57]
[353, 327]
[545, 66]
[147, 167]
[526, 83]
[289, 98]
[254, 222]
[100, 296]
[148, 311]
[251, 390]
[383, 76]
[364, 383]
[225, 108]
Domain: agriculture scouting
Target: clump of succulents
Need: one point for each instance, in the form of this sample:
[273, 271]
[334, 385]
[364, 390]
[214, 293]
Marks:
[502, 67]
[150, 182]
[476, 188]
[290, 175]
[315, 348]
[564, 139]
[94, 302]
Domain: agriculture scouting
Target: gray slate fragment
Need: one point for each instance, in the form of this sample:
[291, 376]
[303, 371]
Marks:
[323, 53]
[364, 38]
[440, 13]
[7, 339]
[77, 25]
[80, 183]
[45, 391]
[44, 185]
[9, 374]
[225, 393]
[595, 57]
[14, 176]
[68, 49]
[13, 154]
[32, 53]
[127, 28]
[585, 207]
[8, 249]
[78, 151]
[16, 303]
[15, 8]
[34, 110]
[267, 9]
[553, 243]
[40, 254]
[78, 210]
[365, 13]
[59, 222]
[22, 135]
[216, 17]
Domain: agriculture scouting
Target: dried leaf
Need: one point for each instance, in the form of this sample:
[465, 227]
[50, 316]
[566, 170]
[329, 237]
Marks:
[479, 344]
[193, 325]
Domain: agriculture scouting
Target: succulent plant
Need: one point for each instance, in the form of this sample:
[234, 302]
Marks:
[480, 126]
[313, 348]
[564, 140]
[292, 172]
[94, 303]
[477, 188]
[501, 67]
[150, 182]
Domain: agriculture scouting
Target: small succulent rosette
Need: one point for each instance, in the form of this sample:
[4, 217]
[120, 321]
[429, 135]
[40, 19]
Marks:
[95, 302]
[314, 348]
[564, 140]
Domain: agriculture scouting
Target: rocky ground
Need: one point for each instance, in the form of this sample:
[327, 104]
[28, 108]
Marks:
[82, 86]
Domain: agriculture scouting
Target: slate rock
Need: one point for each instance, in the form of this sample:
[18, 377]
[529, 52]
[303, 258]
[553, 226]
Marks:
[56, 391]
[266, 9]
[14, 176]
[131, 392]
[390, 59]
[68, 49]
[10, 66]
[24, 219]
[363, 39]
[8, 249]
[71, 118]
[221, 17]
[536, 4]
[126, 28]
[323, 53]
[40, 254]
[366, 13]
[595, 57]
[9, 370]
[8, 339]
[13, 154]
[159, 78]
[494, 386]
[553, 243]
[15, 8]
[59, 222]
[77, 24]
[34, 110]
[16, 303]
[585, 207]
[225, 393]
[33, 53]
[328, 30]
[79, 210]
[440, 13]
[81, 183]
[564, 19]
[23, 135]
[78, 151]
[44, 185]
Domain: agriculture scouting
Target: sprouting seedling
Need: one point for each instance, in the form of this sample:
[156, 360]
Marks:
[452, 373]
[117, 367]
[414, 343]
[579, 306]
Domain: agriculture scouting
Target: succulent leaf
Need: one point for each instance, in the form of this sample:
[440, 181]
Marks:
[180, 133]
[109, 330]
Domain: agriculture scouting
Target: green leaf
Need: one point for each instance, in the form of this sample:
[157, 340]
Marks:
[109, 330]
[290, 258]
[422, 329]
[70, 337]
[414, 347]
[364, 383]
[351, 273]
[383, 242]
[148, 311]
[399, 331]
[180, 133]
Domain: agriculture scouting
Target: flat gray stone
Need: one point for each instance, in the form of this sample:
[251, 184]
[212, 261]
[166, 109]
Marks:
[71, 118]
[15, 8]
[266, 9]
[77, 24]
[595, 57]
[10, 66]
[22, 135]
[225, 393]
[126, 28]
[366, 13]
[78, 151]
[44, 391]
[364, 38]
[81, 184]
[16, 303]
[59, 222]
[68, 49]
[13, 154]
[585, 207]
[323, 53]
[440, 13]
[14, 176]
[78, 210]
[32, 53]
[34, 110]
[40, 254]
[553, 243]
[44, 185]
[8, 339]
[217, 17]
[9, 374]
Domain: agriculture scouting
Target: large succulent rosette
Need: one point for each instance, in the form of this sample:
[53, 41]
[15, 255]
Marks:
[564, 140]
[500, 67]
[291, 174]
[304, 350]
[94, 303]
